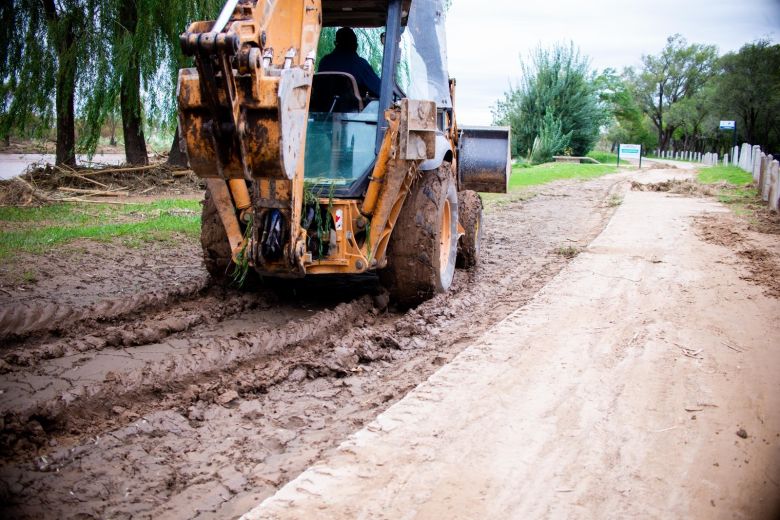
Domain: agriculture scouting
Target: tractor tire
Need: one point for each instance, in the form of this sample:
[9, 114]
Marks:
[213, 239]
[423, 248]
[470, 215]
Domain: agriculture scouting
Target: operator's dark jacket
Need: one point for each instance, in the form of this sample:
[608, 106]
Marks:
[341, 60]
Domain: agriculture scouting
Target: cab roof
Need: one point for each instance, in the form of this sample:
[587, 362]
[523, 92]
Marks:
[358, 13]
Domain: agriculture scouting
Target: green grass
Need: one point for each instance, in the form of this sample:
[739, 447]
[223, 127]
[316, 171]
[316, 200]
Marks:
[606, 157]
[549, 172]
[524, 177]
[739, 193]
[730, 174]
[35, 230]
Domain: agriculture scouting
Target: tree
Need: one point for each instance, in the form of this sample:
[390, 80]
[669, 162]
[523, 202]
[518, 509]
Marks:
[748, 90]
[626, 122]
[688, 117]
[139, 67]
[43, 46]
[678, 73]
[557, 91]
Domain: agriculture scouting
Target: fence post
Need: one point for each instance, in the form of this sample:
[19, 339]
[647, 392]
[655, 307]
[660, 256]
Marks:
[774, 191]
[760, 177]
[755, 162]
[767, 184]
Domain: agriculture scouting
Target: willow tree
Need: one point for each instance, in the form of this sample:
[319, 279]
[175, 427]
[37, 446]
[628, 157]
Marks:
[555, 106]
[44, 46]
[138, 67]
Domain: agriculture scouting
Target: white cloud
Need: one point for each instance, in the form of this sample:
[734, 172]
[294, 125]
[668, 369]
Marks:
[486, 38]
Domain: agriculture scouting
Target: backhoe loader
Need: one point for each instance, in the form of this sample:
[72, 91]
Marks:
[306, 175]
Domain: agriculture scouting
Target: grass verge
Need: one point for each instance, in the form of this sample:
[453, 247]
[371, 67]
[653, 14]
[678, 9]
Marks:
[524, 177]
[606, 157]
[734, 187]
[549, 172]
[34, 230]
[729, 174]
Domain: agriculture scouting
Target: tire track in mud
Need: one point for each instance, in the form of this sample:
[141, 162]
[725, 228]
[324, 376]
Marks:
[20, 320]
[209, 435]
[140, 325]
[94, 384]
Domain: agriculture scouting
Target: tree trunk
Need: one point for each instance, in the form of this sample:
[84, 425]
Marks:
[176, 157]
[661, 139]
[130, 96]
[62, 28]
[66, 118]
[112, 125]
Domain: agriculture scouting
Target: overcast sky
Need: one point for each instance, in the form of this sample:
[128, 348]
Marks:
[487, 37]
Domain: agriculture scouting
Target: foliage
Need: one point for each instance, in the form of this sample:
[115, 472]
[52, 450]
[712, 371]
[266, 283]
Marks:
[241, 268]
[626, 122]
[550, 141]
[43, 47]
[748, 91]
[151, 46]
[557, 86]
[677, 75]
[92, 40]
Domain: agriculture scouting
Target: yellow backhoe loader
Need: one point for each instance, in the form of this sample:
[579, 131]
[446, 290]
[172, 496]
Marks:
[309, 176]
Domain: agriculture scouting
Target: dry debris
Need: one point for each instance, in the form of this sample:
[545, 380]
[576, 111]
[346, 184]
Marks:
[51, 183]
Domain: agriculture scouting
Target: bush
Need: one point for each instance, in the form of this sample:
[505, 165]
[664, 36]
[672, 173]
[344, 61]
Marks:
[556, 82]
[550, 141]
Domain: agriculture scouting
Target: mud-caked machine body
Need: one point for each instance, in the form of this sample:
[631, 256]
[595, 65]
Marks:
[306, 174]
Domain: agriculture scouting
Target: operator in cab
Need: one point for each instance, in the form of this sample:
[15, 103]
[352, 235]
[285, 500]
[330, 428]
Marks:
[344, 58]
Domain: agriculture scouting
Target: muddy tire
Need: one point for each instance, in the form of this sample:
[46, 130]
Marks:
[423, 248]
[213, 239]
[470, 215]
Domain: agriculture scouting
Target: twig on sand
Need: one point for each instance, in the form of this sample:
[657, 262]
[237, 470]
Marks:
[689, 352]
[732, 347]
[666, 429]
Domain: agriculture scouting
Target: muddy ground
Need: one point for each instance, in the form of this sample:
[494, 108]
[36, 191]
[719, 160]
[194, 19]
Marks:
[130, 387]
[134, 388]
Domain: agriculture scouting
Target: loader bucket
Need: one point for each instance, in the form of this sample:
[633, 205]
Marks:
[484, 162]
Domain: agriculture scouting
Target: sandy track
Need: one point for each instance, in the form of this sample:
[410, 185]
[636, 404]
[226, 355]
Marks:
[642, 382]
[208, 417]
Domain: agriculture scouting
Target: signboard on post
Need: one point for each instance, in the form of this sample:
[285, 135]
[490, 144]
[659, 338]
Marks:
[730, 125]
[630, 151]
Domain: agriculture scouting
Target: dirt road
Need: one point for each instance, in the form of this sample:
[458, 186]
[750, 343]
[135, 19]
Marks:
[193, 402]
[642, 382]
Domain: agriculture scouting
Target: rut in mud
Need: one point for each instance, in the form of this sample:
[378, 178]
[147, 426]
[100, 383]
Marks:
[202, 402]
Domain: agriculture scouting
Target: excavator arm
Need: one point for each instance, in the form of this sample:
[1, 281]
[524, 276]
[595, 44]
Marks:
[243, 111]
